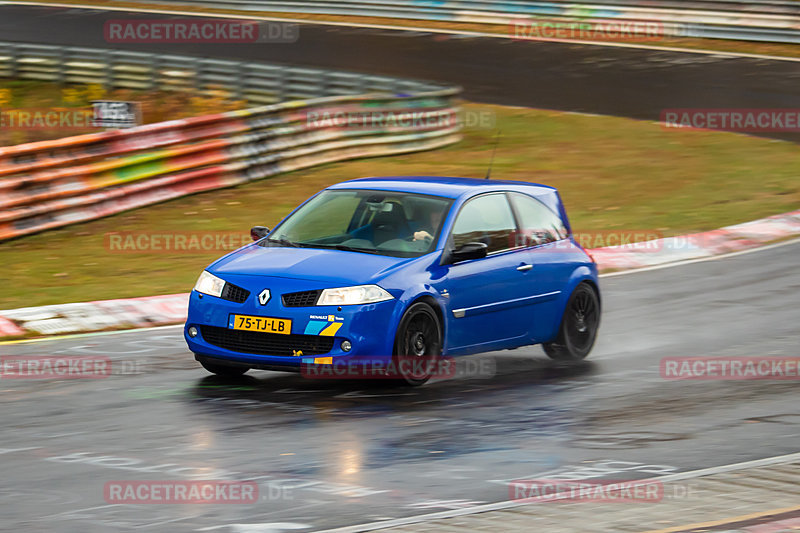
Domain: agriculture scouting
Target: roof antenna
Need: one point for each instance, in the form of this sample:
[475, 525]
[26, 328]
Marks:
[494, 150]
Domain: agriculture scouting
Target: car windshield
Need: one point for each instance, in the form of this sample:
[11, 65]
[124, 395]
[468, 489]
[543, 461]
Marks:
[379, 222]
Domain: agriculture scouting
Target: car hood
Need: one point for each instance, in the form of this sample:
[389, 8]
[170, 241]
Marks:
[330, 266]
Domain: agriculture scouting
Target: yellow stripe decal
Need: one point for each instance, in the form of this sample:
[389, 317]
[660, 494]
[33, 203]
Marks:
[331, 330]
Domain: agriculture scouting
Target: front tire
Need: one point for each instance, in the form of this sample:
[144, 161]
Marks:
[579, 325]
[418, 344]
[224, 370]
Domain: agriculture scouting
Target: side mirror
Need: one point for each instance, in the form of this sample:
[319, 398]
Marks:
[258, 232]
[470, 250]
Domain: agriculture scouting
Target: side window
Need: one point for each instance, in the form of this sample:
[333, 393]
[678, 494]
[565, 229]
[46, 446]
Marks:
[538, 224]
[487, 219]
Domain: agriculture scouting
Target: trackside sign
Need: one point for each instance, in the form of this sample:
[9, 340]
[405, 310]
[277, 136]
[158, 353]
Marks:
[116, 115]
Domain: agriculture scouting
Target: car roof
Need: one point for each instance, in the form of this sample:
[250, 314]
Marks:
[448, 187]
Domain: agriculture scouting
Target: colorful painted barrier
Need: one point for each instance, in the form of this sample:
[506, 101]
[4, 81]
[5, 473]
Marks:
[171, 309]
[51, 184]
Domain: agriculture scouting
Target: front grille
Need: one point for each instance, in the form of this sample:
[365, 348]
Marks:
[300, 299]
[265, 343]
[234, 293]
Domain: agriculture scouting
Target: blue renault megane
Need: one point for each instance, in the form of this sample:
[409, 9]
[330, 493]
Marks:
[383, 268]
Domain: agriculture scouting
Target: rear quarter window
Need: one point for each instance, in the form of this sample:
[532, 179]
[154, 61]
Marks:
[538, 223]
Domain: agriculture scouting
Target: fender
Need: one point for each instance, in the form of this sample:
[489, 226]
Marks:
[578, 276]
[411, 296]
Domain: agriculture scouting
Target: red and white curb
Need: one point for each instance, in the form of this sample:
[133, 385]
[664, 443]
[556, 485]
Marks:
[698, 245]
[95, 316]
[171, 309]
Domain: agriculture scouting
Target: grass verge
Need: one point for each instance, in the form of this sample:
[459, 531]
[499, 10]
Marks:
[613, 173]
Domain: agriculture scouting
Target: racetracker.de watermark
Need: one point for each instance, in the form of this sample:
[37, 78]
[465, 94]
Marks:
[630, 240]
[730, 368]
[604, 491]
[398, 367]
[591, 30]
[181, 492]
[46, 118]
[175, 242]
[732, 119]
[627, 491]
[191, 30]
[54, 367]
[641, 240]
[358, 119]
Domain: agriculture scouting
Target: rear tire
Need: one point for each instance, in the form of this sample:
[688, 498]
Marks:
[418, 345]
[578, 329]
[224, 370]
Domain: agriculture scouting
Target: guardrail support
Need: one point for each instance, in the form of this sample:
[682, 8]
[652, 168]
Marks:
[256, 82]
[13, 50]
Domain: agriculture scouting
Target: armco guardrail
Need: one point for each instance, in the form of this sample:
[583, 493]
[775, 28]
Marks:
[53, 183]
[257, 83]
[764, 20]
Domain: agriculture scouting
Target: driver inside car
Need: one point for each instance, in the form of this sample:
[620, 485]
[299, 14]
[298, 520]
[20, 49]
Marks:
[391, 224]
[426, 224]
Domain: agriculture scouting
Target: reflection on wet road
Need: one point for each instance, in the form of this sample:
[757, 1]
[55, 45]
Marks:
[332, 452]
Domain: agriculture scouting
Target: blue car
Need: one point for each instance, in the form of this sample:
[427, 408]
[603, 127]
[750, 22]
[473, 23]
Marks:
[397, 270]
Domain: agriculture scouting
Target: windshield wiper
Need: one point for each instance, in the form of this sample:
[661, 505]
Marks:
[354, 249]
[344, 247]
[286, 242]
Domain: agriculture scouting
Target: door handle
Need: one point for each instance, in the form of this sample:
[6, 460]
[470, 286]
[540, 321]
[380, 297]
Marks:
[524, 268]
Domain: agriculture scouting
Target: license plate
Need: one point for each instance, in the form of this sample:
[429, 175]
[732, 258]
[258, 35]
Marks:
[262, 324]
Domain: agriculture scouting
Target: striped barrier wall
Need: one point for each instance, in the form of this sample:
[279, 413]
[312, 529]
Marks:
[107, 175]
[37, 156]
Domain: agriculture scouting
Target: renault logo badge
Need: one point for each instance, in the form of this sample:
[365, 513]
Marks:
[263, 297]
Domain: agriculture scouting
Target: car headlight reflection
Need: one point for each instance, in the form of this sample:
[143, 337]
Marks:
[209, 284]
[360, 294]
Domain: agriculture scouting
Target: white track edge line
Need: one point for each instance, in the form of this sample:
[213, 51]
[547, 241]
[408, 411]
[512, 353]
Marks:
[372, 526]
[703, 259]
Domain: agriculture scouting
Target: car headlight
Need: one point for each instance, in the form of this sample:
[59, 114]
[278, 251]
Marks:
[209, 284]
[360, 294]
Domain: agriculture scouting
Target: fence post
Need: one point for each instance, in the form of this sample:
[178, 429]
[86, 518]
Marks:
[324, 83]
[241, 79]
[199, 77]
[61, 72]
[358, 86]
[283, 82]
[154, 72]
[108, 70]
[14, 65]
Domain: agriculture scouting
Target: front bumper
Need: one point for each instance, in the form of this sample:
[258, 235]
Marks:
[369, 328]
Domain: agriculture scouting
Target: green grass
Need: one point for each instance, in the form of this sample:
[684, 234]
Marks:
[613, 173]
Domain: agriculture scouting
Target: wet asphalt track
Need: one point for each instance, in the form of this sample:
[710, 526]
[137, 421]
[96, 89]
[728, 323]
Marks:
[361, 452]
[593, 79]
[327, 454]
